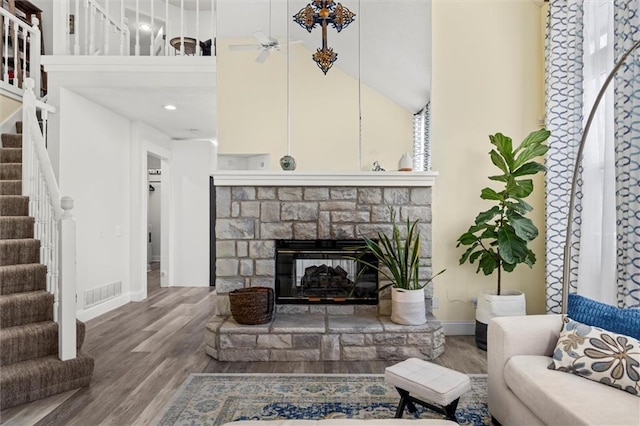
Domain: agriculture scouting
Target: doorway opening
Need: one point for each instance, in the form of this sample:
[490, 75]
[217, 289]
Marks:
[154, 222]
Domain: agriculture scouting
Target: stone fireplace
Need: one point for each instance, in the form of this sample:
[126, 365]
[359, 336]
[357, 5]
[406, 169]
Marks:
[311, 272]
[258, 214]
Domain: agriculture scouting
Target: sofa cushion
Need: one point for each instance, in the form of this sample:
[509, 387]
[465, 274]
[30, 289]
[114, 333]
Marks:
[619, 320]
[599, 355]
[564, 399]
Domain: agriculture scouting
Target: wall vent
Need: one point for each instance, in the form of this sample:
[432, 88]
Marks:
[98, 295]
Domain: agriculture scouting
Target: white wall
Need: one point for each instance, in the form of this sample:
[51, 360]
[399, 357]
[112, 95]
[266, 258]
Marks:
[191, 165]
[94, 171]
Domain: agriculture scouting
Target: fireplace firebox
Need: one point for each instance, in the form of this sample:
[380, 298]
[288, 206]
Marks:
[322, 272]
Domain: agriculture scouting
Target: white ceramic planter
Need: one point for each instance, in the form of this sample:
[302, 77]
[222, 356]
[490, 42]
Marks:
[490, 305]
[509, 303]
[408, 306]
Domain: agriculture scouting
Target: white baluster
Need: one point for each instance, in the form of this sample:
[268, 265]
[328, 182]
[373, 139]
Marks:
[197, 27]
[137, 48]
[151, 34]
[122, 19]
[92, 29]
[86, 27]
[76, 29]
[16, 54]
[107, 23]
[45, 119]
[166, 27]
[5, 51]
[67, 289]
[182, 27]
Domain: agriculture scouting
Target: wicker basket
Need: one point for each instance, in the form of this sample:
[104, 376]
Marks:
[253, 305]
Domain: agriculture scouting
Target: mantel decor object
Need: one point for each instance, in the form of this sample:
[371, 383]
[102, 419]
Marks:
[324, 12]
[288, 163]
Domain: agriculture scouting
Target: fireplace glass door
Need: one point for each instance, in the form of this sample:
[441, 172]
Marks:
[322, 271]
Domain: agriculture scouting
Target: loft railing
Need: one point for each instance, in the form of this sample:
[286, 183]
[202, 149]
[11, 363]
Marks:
[54, 225]
[20, 53]
[133, 27]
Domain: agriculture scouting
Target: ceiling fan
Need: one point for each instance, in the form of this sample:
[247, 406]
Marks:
[265, 44]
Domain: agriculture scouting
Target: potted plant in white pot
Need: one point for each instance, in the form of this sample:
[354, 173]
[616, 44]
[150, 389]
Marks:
[399, 262]
[499, 238]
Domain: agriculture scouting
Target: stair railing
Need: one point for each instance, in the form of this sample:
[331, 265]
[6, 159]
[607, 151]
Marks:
[19, 52]
[84, 27]
[54, 225]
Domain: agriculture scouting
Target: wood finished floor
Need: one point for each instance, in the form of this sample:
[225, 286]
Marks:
[144, 351]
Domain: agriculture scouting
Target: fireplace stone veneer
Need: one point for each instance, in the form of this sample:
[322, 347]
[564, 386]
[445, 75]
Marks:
[255, 210]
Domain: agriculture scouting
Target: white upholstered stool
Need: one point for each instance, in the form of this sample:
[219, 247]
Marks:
[417, 380]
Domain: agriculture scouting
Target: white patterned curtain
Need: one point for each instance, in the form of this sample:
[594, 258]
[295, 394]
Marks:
[583, 41]
[627, 154]
[564, 100]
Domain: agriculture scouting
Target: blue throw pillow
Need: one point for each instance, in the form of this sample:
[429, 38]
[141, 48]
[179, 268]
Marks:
[597, 314]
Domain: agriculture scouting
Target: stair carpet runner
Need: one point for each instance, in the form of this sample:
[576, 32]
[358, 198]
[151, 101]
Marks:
[29, 365]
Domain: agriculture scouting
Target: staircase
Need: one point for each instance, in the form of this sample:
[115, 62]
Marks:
[29, 365]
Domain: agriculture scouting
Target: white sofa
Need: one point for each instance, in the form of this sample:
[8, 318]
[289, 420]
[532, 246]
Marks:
[523, 391]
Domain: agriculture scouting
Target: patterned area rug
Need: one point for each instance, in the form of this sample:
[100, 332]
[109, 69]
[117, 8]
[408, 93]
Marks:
[214, 399]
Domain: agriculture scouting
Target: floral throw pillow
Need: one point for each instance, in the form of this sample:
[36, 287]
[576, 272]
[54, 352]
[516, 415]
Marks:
[599, 355]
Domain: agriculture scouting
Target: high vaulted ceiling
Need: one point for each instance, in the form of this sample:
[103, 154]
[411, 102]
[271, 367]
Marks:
[387, 47]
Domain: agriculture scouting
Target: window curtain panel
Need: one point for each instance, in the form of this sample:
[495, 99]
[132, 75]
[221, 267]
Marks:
[627, 153]
[564, 95]
[597, 255]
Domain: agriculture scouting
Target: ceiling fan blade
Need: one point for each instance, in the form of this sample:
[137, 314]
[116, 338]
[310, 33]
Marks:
[263, 39]
[262, 56]
[244, 47]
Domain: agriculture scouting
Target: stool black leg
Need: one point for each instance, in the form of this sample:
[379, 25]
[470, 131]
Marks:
[401, 406]
[450, 410]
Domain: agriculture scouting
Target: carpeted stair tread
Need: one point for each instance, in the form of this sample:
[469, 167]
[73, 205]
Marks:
[14, 205]
[31, 341]
[39, 378]
[23, 278]
[18, 126]
[19, 252]
[16, 227]
[10, 171]
[24, 308]
[10, 155]
[10, 187]
[11, 140]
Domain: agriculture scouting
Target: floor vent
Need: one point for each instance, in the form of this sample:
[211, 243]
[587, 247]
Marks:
[99, 295]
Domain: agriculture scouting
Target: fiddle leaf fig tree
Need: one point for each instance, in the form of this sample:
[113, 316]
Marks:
[499, 237]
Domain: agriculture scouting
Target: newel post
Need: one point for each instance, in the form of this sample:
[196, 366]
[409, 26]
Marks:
[67, 283]
[34, 56]
[28, 104]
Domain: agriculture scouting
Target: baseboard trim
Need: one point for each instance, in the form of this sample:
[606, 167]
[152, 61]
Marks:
[103, 308]
[137, 296]
[459, 328]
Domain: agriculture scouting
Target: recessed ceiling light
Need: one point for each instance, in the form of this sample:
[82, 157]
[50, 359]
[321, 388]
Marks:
[170, 107]
[144, 27]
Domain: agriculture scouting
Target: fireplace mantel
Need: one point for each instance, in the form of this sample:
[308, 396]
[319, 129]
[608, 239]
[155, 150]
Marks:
[360, 179]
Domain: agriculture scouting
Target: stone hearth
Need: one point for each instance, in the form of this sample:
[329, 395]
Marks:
[319, 337]
[253, 210]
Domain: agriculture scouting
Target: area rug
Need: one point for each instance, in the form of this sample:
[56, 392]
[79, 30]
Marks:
[214, 399]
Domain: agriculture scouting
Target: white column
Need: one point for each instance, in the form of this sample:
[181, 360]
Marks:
[60, 28]
[34, 57]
